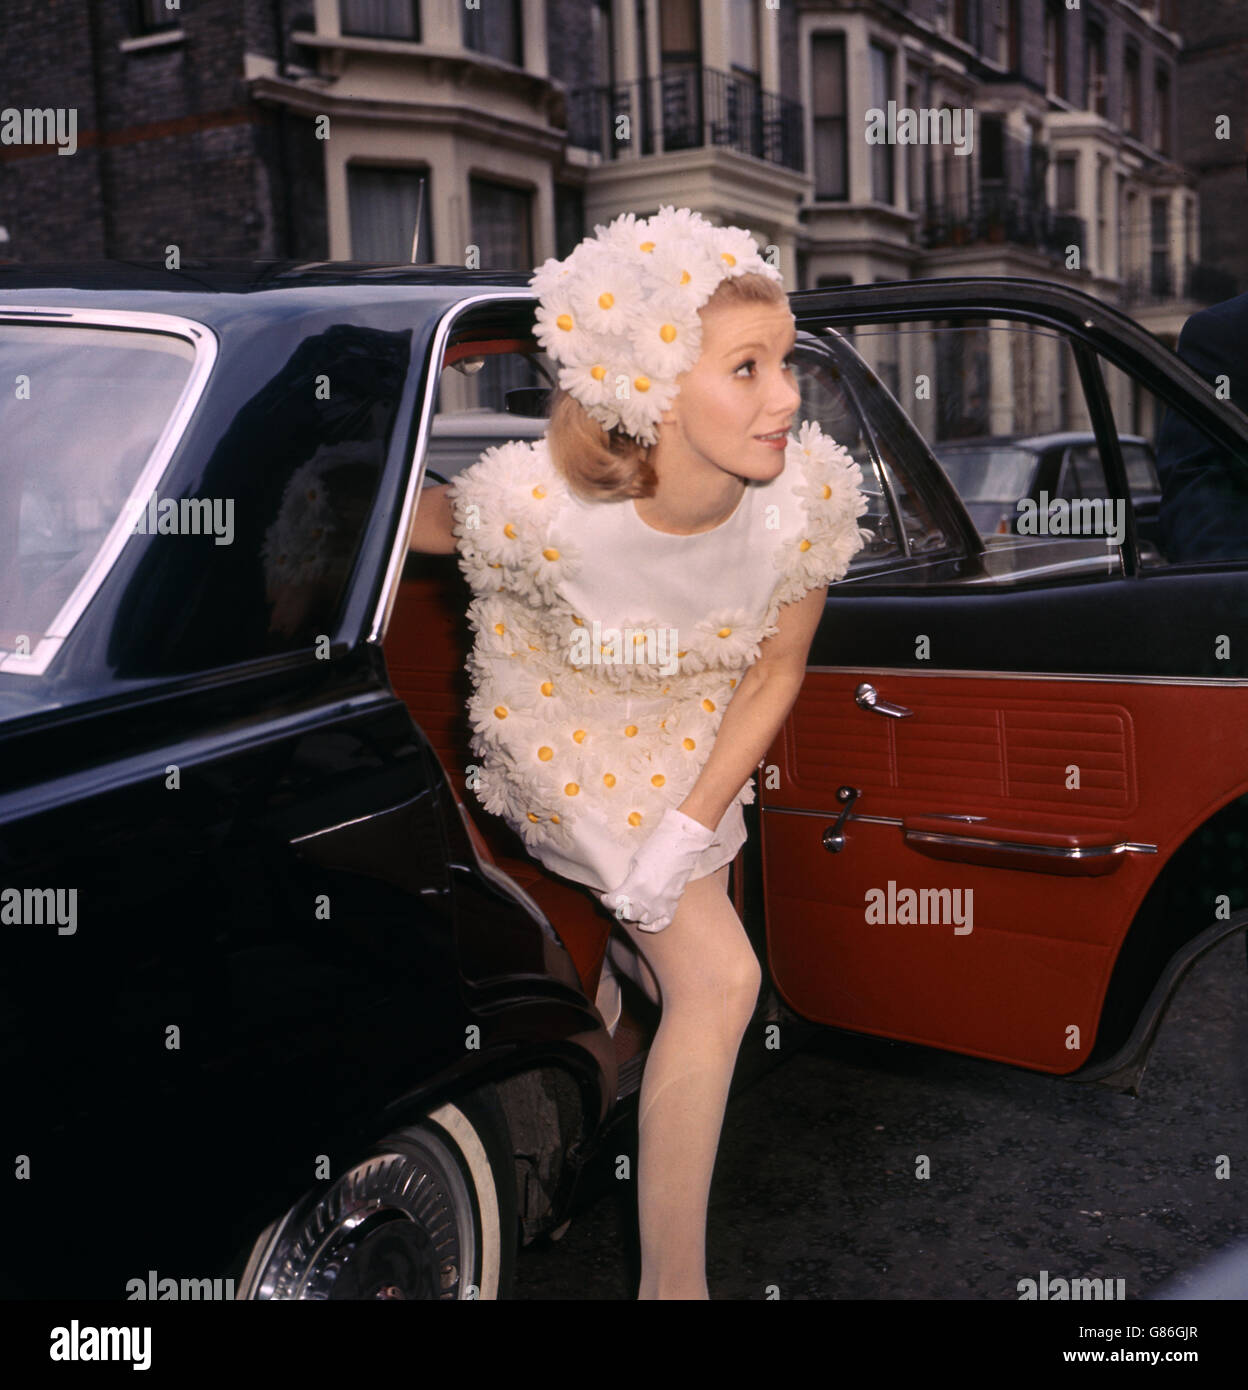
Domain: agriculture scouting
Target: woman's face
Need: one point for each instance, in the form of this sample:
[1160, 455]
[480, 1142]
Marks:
[740, 387]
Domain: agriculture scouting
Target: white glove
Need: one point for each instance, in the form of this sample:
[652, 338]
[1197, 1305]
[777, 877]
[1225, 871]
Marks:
[658, 872]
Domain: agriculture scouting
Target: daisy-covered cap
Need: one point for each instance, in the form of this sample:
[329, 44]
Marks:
[620, 312]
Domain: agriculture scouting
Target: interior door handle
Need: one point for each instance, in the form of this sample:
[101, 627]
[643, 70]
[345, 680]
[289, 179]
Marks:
[866, 697]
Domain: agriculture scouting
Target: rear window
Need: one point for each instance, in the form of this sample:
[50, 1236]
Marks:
[81, 410]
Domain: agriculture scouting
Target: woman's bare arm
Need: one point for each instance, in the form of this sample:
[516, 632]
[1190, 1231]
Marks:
[431, 529]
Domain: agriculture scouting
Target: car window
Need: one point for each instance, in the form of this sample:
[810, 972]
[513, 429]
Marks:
[842, 390]
[79, 421]
[301, 466]
[997, 403]
[1189, 496]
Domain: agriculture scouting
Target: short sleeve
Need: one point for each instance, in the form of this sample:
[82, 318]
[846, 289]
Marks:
[505, 509]
[827, 536]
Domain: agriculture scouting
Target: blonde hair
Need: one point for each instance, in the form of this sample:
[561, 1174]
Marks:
[602, 465]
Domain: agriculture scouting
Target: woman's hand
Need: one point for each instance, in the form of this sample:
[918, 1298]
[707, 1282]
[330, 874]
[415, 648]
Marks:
[431, 532]
[658, 872]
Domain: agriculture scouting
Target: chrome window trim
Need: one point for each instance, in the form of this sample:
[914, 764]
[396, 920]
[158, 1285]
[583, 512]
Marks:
[984, 674]
[398, 552]
[204, 342]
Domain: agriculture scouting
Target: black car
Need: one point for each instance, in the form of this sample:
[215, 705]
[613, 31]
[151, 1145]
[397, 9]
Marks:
[280, 1010]
[993, 475]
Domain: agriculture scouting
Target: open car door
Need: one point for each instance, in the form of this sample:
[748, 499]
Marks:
[1007, 748]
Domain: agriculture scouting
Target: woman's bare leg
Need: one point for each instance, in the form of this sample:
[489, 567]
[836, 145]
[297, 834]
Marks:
[709, 977]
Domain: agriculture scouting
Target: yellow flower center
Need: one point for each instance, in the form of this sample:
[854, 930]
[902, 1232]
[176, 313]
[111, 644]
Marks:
[724, 632]
[630, 731]
[539, 491]
[532, 817]
[564, 321]
[827, 491]
[708, 706]
[690, 745]
[727, 257]
[547, 687]
[556, 820]
[647, 246]
[598, 372]
[579, 735]
[681, 653]
[545, 753]
[685, 277]
[805, 545]
[634, 818]
[732, 684]
[580, 622]
[500, 711]
[499, 628]
[609, 779]
[606, 299]
[657, 780]
[550, 553]
[642, 383]
[509, 531]
[571, 789]
[668, 332]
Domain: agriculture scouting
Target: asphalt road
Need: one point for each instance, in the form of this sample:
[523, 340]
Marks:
[815, 1189]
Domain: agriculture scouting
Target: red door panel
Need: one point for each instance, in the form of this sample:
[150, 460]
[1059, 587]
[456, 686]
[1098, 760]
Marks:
[1043, 942]
[426, 646]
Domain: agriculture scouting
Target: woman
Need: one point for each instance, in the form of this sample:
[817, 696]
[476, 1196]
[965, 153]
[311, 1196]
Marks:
[648, 580]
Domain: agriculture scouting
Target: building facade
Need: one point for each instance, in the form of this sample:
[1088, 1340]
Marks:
[497, 132]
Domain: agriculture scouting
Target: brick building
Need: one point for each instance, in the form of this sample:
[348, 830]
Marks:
[330, 128]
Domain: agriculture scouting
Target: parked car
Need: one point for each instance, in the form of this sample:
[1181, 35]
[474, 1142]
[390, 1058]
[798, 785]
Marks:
[993, 475]
[283, 1006]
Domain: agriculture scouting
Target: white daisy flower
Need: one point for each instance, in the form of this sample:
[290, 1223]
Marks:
[682, 264]
[557, 328]
[607, 293]
[645, 402]
[727, 637]
[550, 274]
[550, 561]
[505, 688]
[625, 235]
[675, 223]
[484, 578]
[734, 250]
[498, 635]
[593, 382]
[496, 789]
[666, 335]
[691, 732]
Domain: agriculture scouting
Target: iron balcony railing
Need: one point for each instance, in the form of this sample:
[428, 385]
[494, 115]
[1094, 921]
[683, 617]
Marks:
[999, 216]
[691, 108]
[1162, 280]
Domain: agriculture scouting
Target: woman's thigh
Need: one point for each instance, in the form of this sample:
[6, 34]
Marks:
[704, 951]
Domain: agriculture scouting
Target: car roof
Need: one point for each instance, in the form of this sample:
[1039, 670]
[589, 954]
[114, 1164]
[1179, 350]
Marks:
[215, 291]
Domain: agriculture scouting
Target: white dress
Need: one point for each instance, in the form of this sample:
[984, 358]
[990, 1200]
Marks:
[606, 652]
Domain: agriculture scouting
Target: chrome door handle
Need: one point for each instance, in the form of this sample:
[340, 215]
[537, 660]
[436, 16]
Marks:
[866, 697]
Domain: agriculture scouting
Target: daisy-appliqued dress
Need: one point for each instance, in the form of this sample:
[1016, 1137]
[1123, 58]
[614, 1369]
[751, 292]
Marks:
[607, 652]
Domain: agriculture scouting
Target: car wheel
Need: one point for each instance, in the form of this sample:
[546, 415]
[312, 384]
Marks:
[429, 1213]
